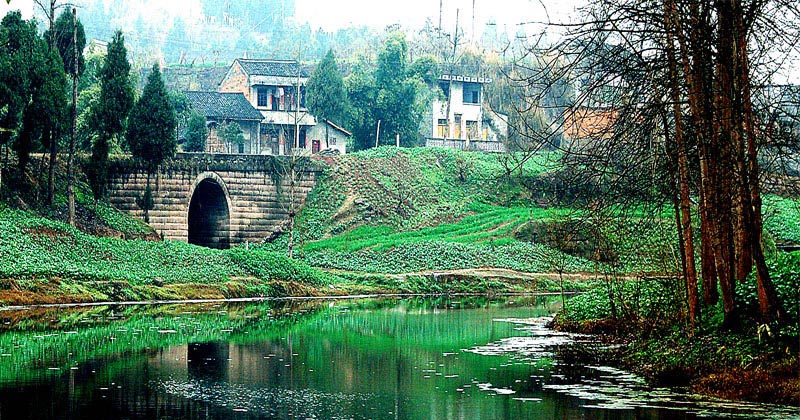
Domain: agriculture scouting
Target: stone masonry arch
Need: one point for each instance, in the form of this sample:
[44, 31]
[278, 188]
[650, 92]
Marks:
[208, 212]
[246, 185]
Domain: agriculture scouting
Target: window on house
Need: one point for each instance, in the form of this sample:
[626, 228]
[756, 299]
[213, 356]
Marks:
[262, 94]
[441, 128]
[289, 98]
[472, 93]
[472, 130]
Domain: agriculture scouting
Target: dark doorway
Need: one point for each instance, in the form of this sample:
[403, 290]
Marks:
[209, 216]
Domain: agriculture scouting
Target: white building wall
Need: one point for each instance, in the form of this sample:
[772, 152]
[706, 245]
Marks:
[336, 139]
[467, 111]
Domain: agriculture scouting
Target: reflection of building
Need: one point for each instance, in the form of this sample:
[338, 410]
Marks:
[274, 91]
[461, 121]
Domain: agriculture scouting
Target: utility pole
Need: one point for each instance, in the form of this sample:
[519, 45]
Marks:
[441, 3]
[70, 176]
[378, 133]
[297, 106]
[49, 10]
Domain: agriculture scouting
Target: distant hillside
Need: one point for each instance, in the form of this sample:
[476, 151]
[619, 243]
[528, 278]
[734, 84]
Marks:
[183, 78]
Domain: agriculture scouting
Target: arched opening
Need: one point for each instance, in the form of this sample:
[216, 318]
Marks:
[209, 216]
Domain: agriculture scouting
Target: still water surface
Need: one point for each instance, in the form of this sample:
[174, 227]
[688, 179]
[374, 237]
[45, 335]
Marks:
[456, 358]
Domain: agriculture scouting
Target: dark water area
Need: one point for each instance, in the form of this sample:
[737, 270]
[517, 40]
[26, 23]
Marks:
[414, 358]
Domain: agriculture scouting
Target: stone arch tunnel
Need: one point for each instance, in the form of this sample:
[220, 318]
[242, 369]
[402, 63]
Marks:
[209, 217]
[216, 201]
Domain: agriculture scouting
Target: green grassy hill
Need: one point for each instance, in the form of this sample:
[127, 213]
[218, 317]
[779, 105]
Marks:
[379, 220]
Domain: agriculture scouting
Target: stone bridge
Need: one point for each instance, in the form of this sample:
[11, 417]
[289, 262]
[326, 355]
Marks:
[214, 200]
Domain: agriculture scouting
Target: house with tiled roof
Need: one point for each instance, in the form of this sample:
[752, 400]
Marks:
[277, 89]
[273, 93]
[221, 108]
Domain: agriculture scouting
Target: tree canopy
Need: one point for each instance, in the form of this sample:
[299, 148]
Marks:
[151, 129]
[110, 112]
[325, 93]
[63, 33]
[33, 88]
[390, 94]
[196, 133]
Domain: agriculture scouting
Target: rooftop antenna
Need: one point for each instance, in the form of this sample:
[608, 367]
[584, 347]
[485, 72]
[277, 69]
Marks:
[473, 20]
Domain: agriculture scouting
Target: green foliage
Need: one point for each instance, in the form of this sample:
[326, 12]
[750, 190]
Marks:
[443, 255]
[782, 218]
[151, 129]
[196, 133]
[275, 266]
[643, 303]
[231, 133]
[32, 88]
[784, 270]
[361, 95]
[325, 94]
[110, 113]
[63, 29]
[426, 68]
[117, 93]
[97, 167]
[33, 247]
[390, 94]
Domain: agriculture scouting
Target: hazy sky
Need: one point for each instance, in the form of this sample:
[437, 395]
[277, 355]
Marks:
[334, 14]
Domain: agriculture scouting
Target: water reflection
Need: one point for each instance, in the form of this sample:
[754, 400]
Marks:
[470, 358]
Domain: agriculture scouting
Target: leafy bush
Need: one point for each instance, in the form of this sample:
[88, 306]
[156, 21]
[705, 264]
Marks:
[274, 266]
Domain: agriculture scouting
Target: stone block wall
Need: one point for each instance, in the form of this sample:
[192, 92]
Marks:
[249, 183]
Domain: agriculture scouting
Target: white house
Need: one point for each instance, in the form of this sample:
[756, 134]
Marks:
[275, 92]
[460, 121]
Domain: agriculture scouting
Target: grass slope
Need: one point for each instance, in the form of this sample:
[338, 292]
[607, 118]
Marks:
[46, 256]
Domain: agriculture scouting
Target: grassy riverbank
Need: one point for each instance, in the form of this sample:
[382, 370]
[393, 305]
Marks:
[758, 363]
[386, 220]
[47, 261]
[427, 221]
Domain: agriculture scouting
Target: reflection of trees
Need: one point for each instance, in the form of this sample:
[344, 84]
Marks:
[64, 337]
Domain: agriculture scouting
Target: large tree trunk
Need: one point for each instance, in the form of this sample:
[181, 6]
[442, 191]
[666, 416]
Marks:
[696, 59]
[722, 142]
[685, 217]
[769, 303]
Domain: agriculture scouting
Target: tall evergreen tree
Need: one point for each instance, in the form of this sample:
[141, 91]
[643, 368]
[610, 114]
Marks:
[196, 133]
[151, 130]
[111, 113]
[18, 44]
[63, 31]
[325, 94]
[61, 36]
[33, 92]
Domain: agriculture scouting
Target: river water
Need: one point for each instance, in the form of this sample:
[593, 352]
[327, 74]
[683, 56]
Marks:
[411, 358]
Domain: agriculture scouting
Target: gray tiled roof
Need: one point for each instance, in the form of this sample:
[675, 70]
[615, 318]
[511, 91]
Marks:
[223, 105]
[283, 68]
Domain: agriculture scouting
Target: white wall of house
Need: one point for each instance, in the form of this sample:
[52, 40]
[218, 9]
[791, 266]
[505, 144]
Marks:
[465, 120]
[337, 139]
